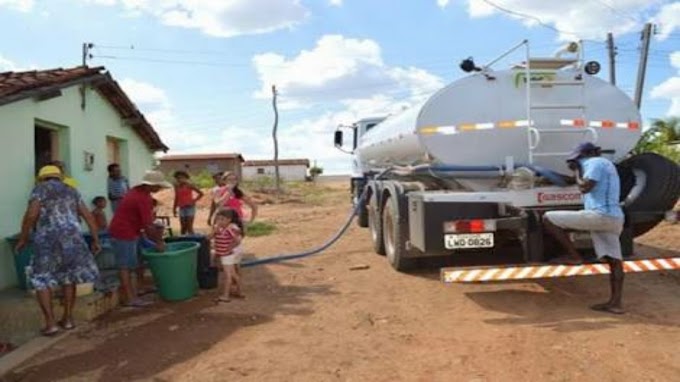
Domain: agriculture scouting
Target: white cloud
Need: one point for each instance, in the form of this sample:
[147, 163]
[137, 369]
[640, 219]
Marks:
[144, 93]
[7, 65]
[668, 19]
[576, 19]
[443, 3]
[670, 88]
[338, 69]
[18, 5]
[159, 111]
[337, 3]
[219, 18]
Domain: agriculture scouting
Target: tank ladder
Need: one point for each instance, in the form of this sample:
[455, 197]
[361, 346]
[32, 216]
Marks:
[552, 63]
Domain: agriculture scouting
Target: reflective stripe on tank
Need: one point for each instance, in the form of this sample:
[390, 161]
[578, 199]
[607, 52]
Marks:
[605, 124]
[454, 129]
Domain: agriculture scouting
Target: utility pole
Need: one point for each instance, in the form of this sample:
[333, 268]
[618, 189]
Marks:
[276, 141]
[86, 52]
[644, 53]
[612, 58]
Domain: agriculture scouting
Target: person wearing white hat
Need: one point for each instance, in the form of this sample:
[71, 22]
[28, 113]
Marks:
[132, 219]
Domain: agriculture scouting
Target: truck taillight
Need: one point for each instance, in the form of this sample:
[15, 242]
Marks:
[470, 226]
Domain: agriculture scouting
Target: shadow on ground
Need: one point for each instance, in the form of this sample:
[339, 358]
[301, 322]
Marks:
[562, 304]
[139, 344]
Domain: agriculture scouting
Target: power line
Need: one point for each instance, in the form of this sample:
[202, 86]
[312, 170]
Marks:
[534, 18]
[617, 11]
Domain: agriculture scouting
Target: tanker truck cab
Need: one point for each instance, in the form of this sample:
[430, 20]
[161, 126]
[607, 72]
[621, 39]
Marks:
[469, 172]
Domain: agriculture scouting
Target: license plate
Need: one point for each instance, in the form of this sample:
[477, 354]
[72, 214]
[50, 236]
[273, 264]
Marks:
[471, 240]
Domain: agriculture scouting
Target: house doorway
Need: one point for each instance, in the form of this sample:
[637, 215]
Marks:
[46, 146]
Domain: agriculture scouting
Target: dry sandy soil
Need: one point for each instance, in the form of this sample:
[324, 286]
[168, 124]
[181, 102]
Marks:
[317, 320]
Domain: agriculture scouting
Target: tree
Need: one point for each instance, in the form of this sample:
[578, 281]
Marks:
[315, 171]
[661, 138]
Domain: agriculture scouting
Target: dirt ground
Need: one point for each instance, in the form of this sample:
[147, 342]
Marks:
[317, 320]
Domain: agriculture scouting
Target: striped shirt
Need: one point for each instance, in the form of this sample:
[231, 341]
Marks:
[117, 187]
[225, 239]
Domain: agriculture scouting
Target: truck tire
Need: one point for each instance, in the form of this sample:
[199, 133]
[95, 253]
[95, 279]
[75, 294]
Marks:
[375, 224]
[661, 189]
[395, 237]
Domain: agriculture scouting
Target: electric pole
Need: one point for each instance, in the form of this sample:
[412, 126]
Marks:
[276, 141]
[86, 52]
[644, 53]
[612, 58]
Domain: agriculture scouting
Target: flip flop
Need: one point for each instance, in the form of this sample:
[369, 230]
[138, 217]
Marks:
[50, 332]
[66, 325]
[606, 308]
[137, 303]
[238, 295]
[222, 299]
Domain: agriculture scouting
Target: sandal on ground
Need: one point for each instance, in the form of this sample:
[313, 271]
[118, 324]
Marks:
[66, 325]
[50, 332]
[238, 295]
[222, 299]
[138, 303]
[566, 260]
[607, 308]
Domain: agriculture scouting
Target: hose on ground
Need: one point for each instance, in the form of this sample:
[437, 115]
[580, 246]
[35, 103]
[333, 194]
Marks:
[323, 247]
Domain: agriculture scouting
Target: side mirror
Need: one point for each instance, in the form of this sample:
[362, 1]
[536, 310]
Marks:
[337, 139]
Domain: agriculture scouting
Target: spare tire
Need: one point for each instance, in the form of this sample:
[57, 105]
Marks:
[660, 179]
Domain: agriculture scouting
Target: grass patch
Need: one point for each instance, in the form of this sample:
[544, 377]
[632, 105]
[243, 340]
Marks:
[259, 228]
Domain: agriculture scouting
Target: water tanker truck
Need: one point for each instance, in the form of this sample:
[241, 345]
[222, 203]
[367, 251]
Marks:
[469, 172]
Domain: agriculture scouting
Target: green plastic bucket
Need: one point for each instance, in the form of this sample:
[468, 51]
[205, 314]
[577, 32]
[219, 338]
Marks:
[21, 260]
[174, 271]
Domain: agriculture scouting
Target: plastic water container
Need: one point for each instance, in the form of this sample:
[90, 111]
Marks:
[22, 260]
[174, 271]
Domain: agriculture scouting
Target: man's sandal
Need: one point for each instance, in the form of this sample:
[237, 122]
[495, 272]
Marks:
[50, 332]
[66, 325]
[607, 308]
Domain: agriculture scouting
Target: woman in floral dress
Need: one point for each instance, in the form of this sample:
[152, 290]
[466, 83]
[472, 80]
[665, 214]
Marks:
[60, 253]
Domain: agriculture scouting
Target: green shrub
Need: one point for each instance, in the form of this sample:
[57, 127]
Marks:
[259, 228]
[203, 179]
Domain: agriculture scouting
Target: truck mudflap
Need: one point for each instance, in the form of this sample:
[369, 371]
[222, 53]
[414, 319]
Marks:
[543, 271]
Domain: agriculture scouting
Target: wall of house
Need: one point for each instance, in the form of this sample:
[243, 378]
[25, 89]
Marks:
[79, 131]
[195, 166]
[287, 172]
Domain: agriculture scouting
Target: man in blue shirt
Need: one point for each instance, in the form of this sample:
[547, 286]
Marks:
[602, 216]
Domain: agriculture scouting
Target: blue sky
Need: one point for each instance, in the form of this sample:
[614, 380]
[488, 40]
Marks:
[202, 70]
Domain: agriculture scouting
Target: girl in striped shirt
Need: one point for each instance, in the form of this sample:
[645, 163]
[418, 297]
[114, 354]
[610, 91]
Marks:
[227, 235]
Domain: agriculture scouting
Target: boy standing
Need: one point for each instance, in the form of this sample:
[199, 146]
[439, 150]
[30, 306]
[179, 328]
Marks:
[117, 185]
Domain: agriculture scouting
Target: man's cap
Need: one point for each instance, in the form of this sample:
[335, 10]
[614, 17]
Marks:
[49, 172]
[155, 178]
[581, 149]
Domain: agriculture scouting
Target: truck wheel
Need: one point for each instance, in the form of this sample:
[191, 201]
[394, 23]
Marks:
[394, 237]
[375, 225]
[661, 186]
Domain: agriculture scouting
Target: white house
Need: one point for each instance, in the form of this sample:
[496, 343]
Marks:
[289, 169]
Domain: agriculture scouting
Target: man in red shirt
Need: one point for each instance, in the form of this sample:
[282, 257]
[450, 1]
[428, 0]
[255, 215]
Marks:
[132, 219]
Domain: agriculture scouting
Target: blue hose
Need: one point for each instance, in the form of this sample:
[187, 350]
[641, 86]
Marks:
[323, 247]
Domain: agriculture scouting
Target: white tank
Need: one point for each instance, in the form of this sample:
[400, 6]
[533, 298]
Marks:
[480, 120]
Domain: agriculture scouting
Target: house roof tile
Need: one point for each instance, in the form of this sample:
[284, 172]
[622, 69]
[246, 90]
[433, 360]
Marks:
[15, 86]
[185, 157]
[282, 162]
